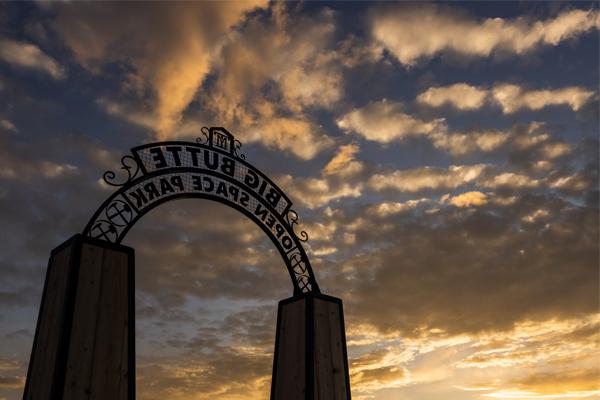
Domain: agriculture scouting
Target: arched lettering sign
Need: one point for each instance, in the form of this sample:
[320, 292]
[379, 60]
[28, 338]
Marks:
[213, 169]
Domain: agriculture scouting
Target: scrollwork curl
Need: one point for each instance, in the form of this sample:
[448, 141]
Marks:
[292, 218]
[109, 176]
[205, 131]
[237, 145]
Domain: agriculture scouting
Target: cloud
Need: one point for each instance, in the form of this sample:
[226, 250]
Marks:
[244, 265]
[344, 162]
[513, 98]
[555, 150]
[450, 263]
[173, 60]
[299, 136]
[468, 199]
[286, 48]
[582, 382]
[7, 126]
[510, 97]
[533, 142]
[321, 87]
[412, 33]
[27, 55]
[575, 182]
[427, 178]
[492, 287]
[487, 364]
[272, 72]
[316, 192]
[539, 214]
[384, 121]
[127, 112]
[227, 358]
[323, 251]
[389, 208]
[459, 95]
[509, 180]
[373, 378]
[459, 143]
[13, 167]
[16, 382]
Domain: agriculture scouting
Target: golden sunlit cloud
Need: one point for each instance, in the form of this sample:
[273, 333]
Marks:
[460, 95]
[412, 33]
[344, 162]
[468, 199]
[417, 179]
[443, 159]
[30, 56]
[384, 121]
[513, 98]
[567, 346]
[173, 72]
[510, 179]
[317, 192]
[388, 208]
[510, 97]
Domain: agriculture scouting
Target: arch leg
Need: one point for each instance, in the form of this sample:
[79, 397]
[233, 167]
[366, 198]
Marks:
[84, 341]
[310, 361]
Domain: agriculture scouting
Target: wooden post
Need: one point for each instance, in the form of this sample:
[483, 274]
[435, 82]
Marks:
[310, 362]
[84, 341]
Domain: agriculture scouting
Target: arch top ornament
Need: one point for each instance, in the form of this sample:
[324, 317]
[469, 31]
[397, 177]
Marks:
[211, 168]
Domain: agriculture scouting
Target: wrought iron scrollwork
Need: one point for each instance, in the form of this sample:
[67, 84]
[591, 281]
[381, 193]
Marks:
[109, 176]
[205, 132]
[292, 219]
[137, 193]
[237, 145]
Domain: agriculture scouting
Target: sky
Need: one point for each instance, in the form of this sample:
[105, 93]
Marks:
[443, 158]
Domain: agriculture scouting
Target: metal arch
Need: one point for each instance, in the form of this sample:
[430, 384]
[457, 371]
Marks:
[138, 193]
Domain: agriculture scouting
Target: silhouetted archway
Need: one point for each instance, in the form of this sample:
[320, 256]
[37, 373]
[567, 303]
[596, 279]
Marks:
[210, 169]
[84, 345]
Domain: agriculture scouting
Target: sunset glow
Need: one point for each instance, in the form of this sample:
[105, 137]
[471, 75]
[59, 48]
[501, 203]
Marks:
[443, 158]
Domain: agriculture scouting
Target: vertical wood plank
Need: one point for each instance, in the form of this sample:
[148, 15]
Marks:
[290, 374]
[44, 354]
[84, 346]
[109, 372]
[330, 379]
[83, 333]
[313, 334]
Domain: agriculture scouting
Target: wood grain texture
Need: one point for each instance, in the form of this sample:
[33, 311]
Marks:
[83, 334]
[290, 373]
[97, 361]
[44, 353]
[330, 374]
[82, 349]
[310, 343]
[109, 369]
